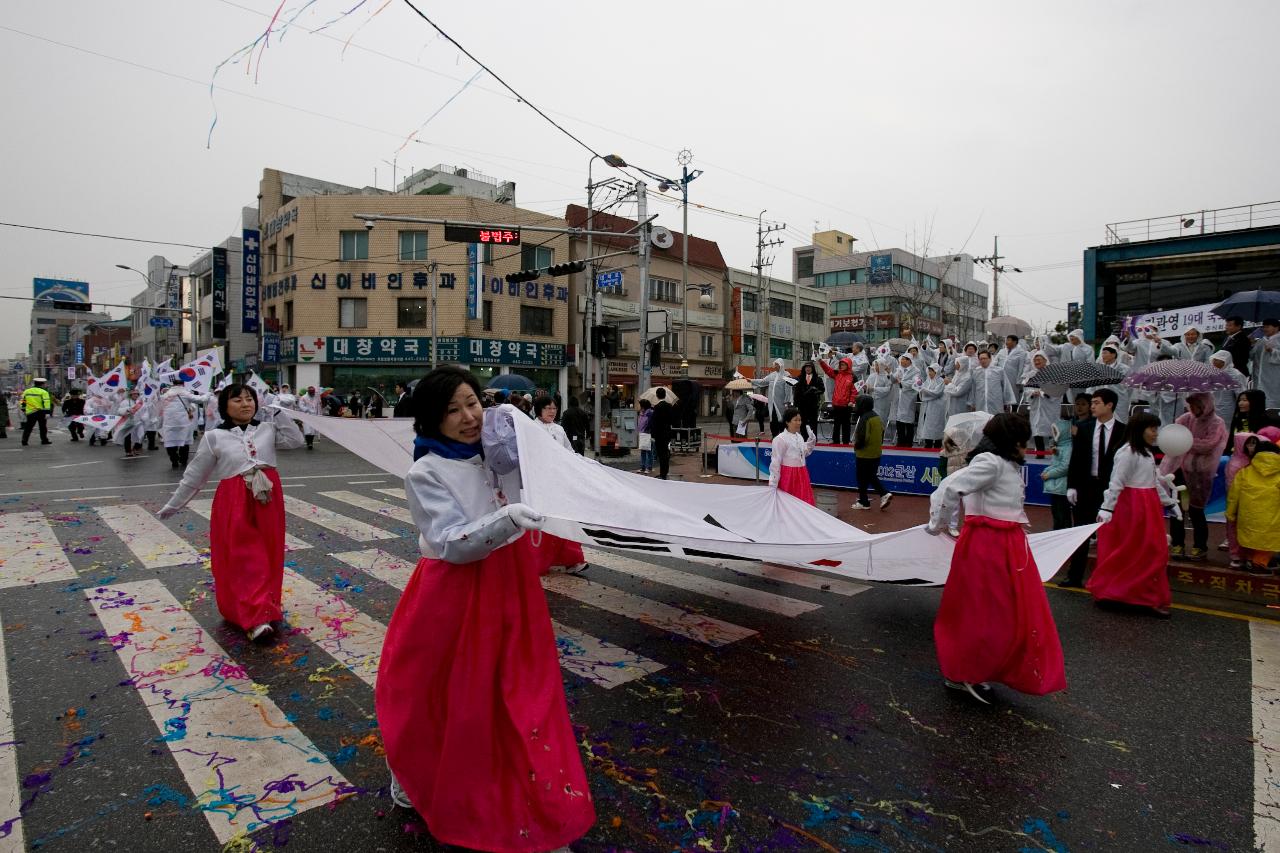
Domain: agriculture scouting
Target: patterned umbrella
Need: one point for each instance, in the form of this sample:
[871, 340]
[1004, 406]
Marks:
[1181, 376]
[1074, 374]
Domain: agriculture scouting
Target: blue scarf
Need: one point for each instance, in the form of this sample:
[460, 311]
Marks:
[444, 448]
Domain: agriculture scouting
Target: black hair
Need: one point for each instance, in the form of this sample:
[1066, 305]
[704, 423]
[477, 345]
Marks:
[1271, 321]
[1257, 414]
[661, 393]
[1138, 424]
[645, 404]
[234, 390]
[540, 402]
[863, 404]
[1013, 338]
[1083, 396]
[1265, 447]
[788, 413]
[1237, 319]
[434, 392]
[573, 401]
[1002, 436]
[1106, 395]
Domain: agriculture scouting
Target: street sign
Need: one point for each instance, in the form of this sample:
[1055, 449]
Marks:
[162, 322]
[71, 373]
[613, 278]
[476, 234]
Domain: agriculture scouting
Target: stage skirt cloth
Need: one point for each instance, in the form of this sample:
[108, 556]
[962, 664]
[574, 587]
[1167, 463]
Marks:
[246, 540]
[794, 480]
[1133, 553]
[994, 622]
[554, 551]
[472, 709]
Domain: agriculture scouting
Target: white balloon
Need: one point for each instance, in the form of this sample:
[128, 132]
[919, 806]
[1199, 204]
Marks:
[1174, 439]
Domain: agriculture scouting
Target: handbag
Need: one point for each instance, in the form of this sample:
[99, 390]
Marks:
[646, 441]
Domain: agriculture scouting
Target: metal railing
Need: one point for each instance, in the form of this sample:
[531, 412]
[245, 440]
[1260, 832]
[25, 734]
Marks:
[1195, 223]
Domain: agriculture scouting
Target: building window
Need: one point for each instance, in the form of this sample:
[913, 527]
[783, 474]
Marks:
[288, 316]
[536, 257]
[671, 342]
[271, 257]
[354, 245]
[748, 344]
[353, 313]
[486, 253]
[933, 312]
[930, 282]
[708, 346]
[288, 251]
[779, 348]
[813, 313]
[804, 265]
[664, 290]
[413, 245]
[411, 313]
[780, 308]
[750, 302]
[535, 320]
[879, 303]
[486, 312]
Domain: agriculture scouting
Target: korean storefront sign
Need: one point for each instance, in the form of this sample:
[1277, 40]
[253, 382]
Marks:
[542, 291]
[374, 349]
[250, 253]
[219, 318]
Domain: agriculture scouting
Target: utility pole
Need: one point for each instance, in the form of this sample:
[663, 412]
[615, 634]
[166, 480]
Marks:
[642, 216]
[996, 268]
[762, 297]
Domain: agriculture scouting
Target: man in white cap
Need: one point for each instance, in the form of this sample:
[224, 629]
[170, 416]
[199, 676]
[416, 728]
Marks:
[36, 404]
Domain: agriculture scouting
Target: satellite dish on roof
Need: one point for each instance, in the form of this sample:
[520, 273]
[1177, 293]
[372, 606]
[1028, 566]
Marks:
[661, 237]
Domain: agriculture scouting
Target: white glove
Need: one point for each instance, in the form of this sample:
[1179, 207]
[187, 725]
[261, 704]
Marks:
[933, 528]
[1104, 515]
[1072, 496]
[1175, 511]
[166, 512]
[523, 516]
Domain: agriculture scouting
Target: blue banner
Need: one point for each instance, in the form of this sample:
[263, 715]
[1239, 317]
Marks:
[61, 290]
[473, 282]
[250, 255]
[79, 352]
[270, 347]
[881, 269]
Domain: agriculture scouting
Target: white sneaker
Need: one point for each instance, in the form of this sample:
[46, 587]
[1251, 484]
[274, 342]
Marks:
[576, 570]
[965, 687]
[261, 632]
[857, 505]
[884, 501]
[954, 532]
[398, 796]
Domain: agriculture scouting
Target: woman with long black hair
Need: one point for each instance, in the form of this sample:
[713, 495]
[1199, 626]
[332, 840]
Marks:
[807, 396]
[994, 622]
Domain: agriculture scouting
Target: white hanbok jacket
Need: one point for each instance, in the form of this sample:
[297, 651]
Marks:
[459, 509]
[234, 452]
[790, 449]
[1134, 471]
[988, 486]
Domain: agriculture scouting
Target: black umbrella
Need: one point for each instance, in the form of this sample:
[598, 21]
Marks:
[1075, 374]
[1252, 306]
[844, 340]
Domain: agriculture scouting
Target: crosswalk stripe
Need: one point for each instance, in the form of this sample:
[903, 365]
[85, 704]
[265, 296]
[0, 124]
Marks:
[348, 635]
[700, 584]
[155, 545]
[399, 513]
[340, 524]
[673, 620]
[203, 507]
[30, 552]
[246, 764]
[395, 493]
[1265, 647]
[11, 834]
[590, 658]
[795, 577]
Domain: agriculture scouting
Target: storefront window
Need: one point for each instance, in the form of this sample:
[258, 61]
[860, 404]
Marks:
[546, 379]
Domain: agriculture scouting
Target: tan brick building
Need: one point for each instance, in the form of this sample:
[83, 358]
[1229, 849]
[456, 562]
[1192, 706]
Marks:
[353, 304]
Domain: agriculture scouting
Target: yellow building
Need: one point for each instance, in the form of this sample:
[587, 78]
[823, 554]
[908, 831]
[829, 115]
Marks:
[352, 303]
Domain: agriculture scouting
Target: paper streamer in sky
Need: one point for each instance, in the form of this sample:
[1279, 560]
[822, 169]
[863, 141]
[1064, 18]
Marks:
[598, 505]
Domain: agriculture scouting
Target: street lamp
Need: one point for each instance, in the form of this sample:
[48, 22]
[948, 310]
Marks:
[147, 278]
[704, 301]
[618, 163]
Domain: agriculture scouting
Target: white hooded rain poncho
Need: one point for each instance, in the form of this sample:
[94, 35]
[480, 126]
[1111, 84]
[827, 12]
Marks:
[906, 378]
[1266, 368]
[933, 405]
[778, 389]
[1191, 350]
[1044, 405]
[959, 390]
[1075, 349]
[1224, 400]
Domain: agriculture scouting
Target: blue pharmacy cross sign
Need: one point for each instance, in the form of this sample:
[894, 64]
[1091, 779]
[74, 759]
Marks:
[609, 279]
[162, 322]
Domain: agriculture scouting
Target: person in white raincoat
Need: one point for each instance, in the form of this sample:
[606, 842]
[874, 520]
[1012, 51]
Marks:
[880, 386]
[991, 388]
[1224, 400]
[933, 408]
[1266, 362]
[779, 394]
[959, 388]
[1075, 349]
[1012, 358]
[861, 364]
[310, 404]
[1191, 347]
[1144, 349]
[131, 430]
[1109, 356]
[178, 409]
[96, 405]
[1044, 405]
[907, 380]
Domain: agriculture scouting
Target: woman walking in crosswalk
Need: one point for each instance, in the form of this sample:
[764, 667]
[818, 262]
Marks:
[470, 700]
[246, 525]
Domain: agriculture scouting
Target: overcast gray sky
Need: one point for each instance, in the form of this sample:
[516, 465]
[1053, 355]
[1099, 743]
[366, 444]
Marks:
[930, 124]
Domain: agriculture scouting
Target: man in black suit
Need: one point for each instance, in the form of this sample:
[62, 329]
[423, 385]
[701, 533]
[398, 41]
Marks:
[1238, 344]
[660, 428]
[1093, 452]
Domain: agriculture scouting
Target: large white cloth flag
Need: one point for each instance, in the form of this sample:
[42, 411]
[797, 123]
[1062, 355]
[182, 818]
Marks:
[110, 384]
[597, 505]
[198, 373]
[106, 423]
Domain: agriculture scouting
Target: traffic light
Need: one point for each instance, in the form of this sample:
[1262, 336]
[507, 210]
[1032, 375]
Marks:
[566, 269]
[655, 352]
[604, 341]
[523, 275]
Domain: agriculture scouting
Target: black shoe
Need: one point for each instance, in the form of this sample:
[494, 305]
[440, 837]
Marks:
[1070, 583]
[46, 442]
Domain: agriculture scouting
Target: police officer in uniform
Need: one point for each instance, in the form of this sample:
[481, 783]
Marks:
[37, 404]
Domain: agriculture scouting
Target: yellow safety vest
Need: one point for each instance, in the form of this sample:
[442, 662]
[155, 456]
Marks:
[35, 400]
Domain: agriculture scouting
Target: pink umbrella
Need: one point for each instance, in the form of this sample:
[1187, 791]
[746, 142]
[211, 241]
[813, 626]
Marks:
[1181, 376]
[760, 398]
